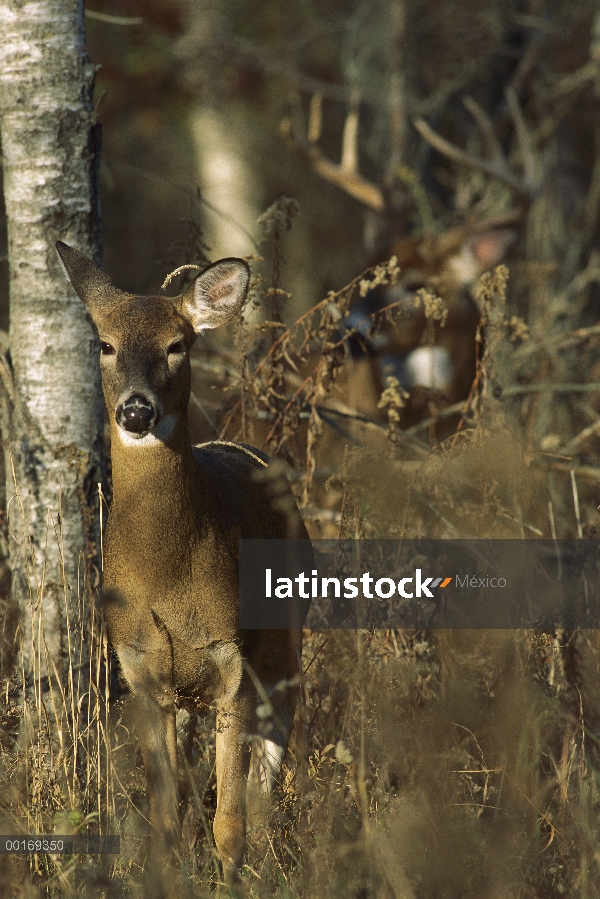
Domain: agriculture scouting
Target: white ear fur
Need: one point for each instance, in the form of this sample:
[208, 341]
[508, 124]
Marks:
[217, 294]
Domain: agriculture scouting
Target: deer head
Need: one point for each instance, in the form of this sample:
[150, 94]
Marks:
[145, 342]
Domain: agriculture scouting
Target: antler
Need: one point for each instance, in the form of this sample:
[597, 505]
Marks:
[345, 174]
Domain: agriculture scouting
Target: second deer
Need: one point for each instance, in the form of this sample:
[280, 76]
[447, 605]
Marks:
[429, 360]
[171, 549]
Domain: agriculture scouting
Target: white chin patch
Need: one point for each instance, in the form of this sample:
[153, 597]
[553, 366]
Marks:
[157, 435]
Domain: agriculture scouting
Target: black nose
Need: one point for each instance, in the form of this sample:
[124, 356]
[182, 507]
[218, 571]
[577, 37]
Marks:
[137, 414]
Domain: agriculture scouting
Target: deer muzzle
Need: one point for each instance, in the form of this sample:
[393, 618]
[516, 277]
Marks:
[137, 415]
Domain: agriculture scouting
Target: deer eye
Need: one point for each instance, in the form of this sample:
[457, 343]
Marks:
[176, 348]
[106, 349]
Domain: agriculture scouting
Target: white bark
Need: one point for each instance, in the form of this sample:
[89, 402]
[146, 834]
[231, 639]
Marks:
[54, 417]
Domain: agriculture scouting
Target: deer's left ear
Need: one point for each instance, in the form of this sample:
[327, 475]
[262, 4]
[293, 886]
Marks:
[217, 294]
[89, 283]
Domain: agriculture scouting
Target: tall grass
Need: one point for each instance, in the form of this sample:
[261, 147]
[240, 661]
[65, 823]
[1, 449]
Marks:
[55, 743]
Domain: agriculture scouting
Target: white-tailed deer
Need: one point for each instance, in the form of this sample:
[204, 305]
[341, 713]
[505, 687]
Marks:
[447, 263]
[171, 548]
[440, 359]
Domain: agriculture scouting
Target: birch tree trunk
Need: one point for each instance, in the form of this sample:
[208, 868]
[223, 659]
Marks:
[52, 418]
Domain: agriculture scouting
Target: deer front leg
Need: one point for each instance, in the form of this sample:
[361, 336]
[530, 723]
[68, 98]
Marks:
[234, 723]
[157, 733]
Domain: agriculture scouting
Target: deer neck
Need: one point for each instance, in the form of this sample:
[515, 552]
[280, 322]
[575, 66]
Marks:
[154, 479]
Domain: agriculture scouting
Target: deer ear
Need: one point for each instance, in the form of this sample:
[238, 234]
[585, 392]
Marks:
[217, 294]
[89, 283]
[490, 247]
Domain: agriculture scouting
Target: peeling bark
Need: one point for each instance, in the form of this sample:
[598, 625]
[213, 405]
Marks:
[52, 418]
